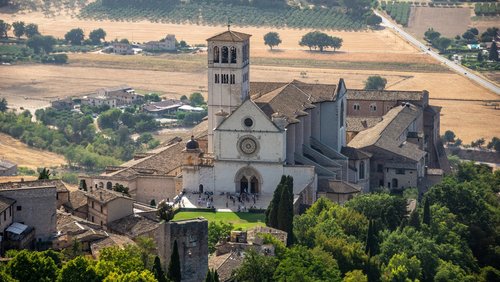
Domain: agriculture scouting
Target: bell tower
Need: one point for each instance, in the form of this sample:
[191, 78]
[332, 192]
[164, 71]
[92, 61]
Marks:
[228, 75]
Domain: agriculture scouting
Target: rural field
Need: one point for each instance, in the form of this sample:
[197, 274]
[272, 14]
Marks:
[19, 153]
[448, 21]
[364, 53]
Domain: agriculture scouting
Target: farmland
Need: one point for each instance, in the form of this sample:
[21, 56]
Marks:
[218, 13]
[448, 21]
[19, 153]
[400, 12]
[364, 53]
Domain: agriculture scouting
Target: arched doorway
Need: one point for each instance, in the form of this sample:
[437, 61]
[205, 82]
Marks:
[248, 180]
[244, 185]
[109, 186]
[254, 185]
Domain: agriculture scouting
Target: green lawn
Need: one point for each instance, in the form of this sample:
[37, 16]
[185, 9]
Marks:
[243, 220]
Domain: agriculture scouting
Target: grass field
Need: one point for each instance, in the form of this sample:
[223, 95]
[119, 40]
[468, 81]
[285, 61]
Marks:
[19, 153]
[448, 21]
[243, 220]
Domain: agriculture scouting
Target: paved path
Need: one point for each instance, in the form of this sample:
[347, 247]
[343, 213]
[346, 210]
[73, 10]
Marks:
[457, 68]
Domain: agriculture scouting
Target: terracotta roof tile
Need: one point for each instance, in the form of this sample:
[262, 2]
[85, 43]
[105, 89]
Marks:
[230, 35]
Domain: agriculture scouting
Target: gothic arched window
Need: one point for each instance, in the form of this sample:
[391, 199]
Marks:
[225, 55]
[362, 170]
[233, 55]
[216, 54]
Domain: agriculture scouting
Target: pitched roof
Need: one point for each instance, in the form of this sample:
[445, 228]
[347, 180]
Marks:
[5, 203]
[162, 105]
[386, 95]
[225, 264]
[4, 164]
[386, 134]
[230, 35]
[133, 225]
[357, 124]
[42, 183]
[336, 187]
[355, 154]
[112, 241]
[104, 195]
[291, 100]
[77, 199]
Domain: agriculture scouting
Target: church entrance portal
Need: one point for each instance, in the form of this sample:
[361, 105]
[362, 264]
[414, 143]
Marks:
[243, 185]
[247, 180]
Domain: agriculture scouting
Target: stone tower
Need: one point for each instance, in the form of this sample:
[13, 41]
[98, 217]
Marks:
[228, 75]
[192, 243]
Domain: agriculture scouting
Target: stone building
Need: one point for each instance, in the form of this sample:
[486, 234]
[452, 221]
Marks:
[335, 142]
[167, 44]
[192, 241]
[396, 145]
[123, 94]
[35, 206]
[105, 206]
[7, 168]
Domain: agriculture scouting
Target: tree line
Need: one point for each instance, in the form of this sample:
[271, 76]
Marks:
[451, 235]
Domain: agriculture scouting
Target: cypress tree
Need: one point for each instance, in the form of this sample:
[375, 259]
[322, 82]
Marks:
[427, 212]
[371, 241]
[212, 276]
[158, 271]
[283, 209]
[493, 52]
[414, 220]
[174, 267]
[272, 209]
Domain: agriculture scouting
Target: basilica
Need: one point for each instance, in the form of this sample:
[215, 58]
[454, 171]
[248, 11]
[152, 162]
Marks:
[334, 141]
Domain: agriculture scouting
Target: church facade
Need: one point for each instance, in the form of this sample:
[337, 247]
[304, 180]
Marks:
[335, 142]
[258, 132]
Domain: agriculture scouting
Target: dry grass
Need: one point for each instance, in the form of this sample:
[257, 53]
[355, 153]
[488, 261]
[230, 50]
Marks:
[382, 42]
[38, 80]
[363, 54]
[19, 153]
[448, 21]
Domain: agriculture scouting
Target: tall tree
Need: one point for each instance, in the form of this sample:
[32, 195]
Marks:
[97, 35]
[256, 267]
[427, 212]
[285, 209]
[212, 276]
[371, 240]
[44, 174]
[373, 20]
[375, 82]
[75, 36]
[4, 28]
[272, 209]
[19, 28]
[272, 39]
[31, 30]
[174, 266]
[158, 271]
[3, 105]
[493, 52]
[414, 220]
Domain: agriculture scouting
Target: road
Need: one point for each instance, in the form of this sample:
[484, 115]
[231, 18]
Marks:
[457, 68]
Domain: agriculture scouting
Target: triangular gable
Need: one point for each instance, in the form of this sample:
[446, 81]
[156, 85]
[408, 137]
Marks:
[341, 89]
[248, 109]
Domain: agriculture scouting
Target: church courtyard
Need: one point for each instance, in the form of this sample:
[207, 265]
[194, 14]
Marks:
[243, 220]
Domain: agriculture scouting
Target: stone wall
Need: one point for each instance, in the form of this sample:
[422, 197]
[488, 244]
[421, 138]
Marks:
[192, 241]
[35, 207]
